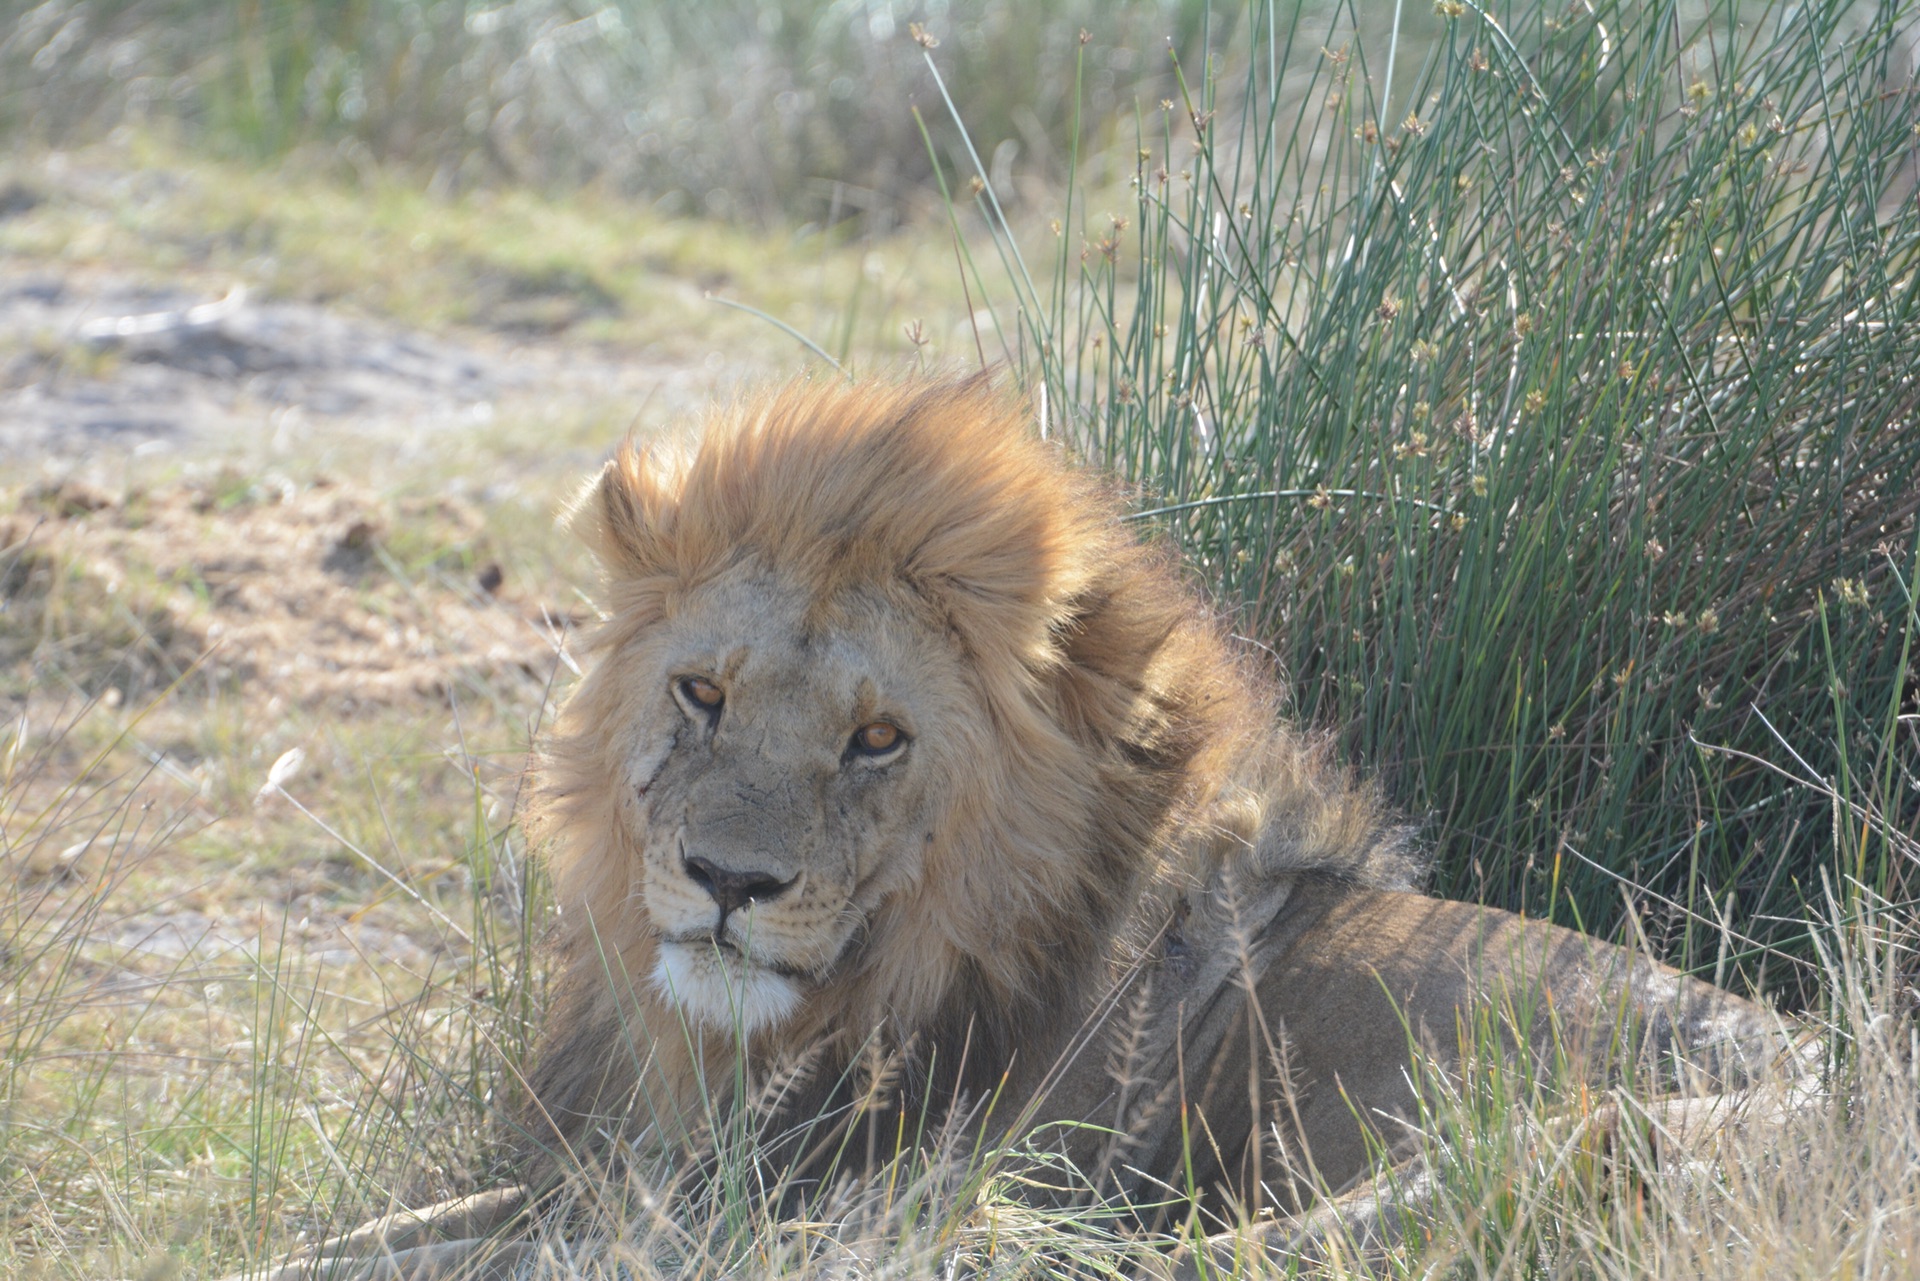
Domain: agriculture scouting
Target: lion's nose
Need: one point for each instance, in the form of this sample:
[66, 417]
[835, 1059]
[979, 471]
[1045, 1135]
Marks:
[734, 890]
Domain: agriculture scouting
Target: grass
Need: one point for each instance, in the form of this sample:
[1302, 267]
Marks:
[1552, 417]
[218, 1006]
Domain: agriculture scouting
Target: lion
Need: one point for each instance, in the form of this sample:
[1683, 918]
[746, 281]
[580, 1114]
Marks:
[898, 740]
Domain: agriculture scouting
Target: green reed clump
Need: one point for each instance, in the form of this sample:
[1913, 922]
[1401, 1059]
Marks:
[1555, 417]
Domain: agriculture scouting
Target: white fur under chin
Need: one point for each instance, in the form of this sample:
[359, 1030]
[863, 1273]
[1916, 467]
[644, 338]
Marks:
[723, 989]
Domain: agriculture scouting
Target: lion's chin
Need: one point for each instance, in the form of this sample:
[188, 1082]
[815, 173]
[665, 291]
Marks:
[724, 989]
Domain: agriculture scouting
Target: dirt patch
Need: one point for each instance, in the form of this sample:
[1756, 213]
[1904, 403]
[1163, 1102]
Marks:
[537, 302]
[99, 368]
[110, 362]
[303, 595]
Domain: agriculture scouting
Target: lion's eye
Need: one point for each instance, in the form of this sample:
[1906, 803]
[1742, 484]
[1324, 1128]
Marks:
[877, 738]
[702, 694]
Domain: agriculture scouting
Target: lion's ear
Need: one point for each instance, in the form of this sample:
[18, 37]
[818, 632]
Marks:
[626, 514]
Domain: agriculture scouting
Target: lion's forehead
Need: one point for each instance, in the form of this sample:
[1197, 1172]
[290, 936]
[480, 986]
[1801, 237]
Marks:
[792, 653]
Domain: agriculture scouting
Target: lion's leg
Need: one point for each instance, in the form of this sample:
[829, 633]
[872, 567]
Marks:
[479, 1214]
[427, 1244]
[475, 1259]
[1659, 1138]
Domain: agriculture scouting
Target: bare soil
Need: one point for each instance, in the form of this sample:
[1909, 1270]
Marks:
[97, 367]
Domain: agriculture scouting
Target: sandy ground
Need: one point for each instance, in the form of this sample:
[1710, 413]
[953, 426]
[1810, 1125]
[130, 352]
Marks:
[96, 369]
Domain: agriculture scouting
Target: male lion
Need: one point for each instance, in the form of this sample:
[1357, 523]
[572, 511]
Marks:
[898, 740]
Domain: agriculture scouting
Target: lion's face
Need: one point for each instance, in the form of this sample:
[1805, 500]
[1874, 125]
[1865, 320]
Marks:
[778, 782]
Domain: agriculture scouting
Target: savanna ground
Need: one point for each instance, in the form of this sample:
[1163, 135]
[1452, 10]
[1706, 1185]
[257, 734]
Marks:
[1544, 399]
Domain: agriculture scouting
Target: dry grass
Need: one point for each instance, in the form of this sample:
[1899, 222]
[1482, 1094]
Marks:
[214, 1007]
[512, 266]
[762, 110]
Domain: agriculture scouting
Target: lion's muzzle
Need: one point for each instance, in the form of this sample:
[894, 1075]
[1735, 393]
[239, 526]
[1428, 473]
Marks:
[709, 964]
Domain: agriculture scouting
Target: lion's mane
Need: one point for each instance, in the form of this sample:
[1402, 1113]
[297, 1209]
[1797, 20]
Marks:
[1133, 742]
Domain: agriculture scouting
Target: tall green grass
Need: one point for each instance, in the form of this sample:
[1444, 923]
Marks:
[1556, 419]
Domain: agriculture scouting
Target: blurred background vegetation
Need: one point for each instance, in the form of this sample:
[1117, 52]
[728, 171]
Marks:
[772, 111]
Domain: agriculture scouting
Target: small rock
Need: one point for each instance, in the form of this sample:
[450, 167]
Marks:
[359, 535]
[17, 197]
